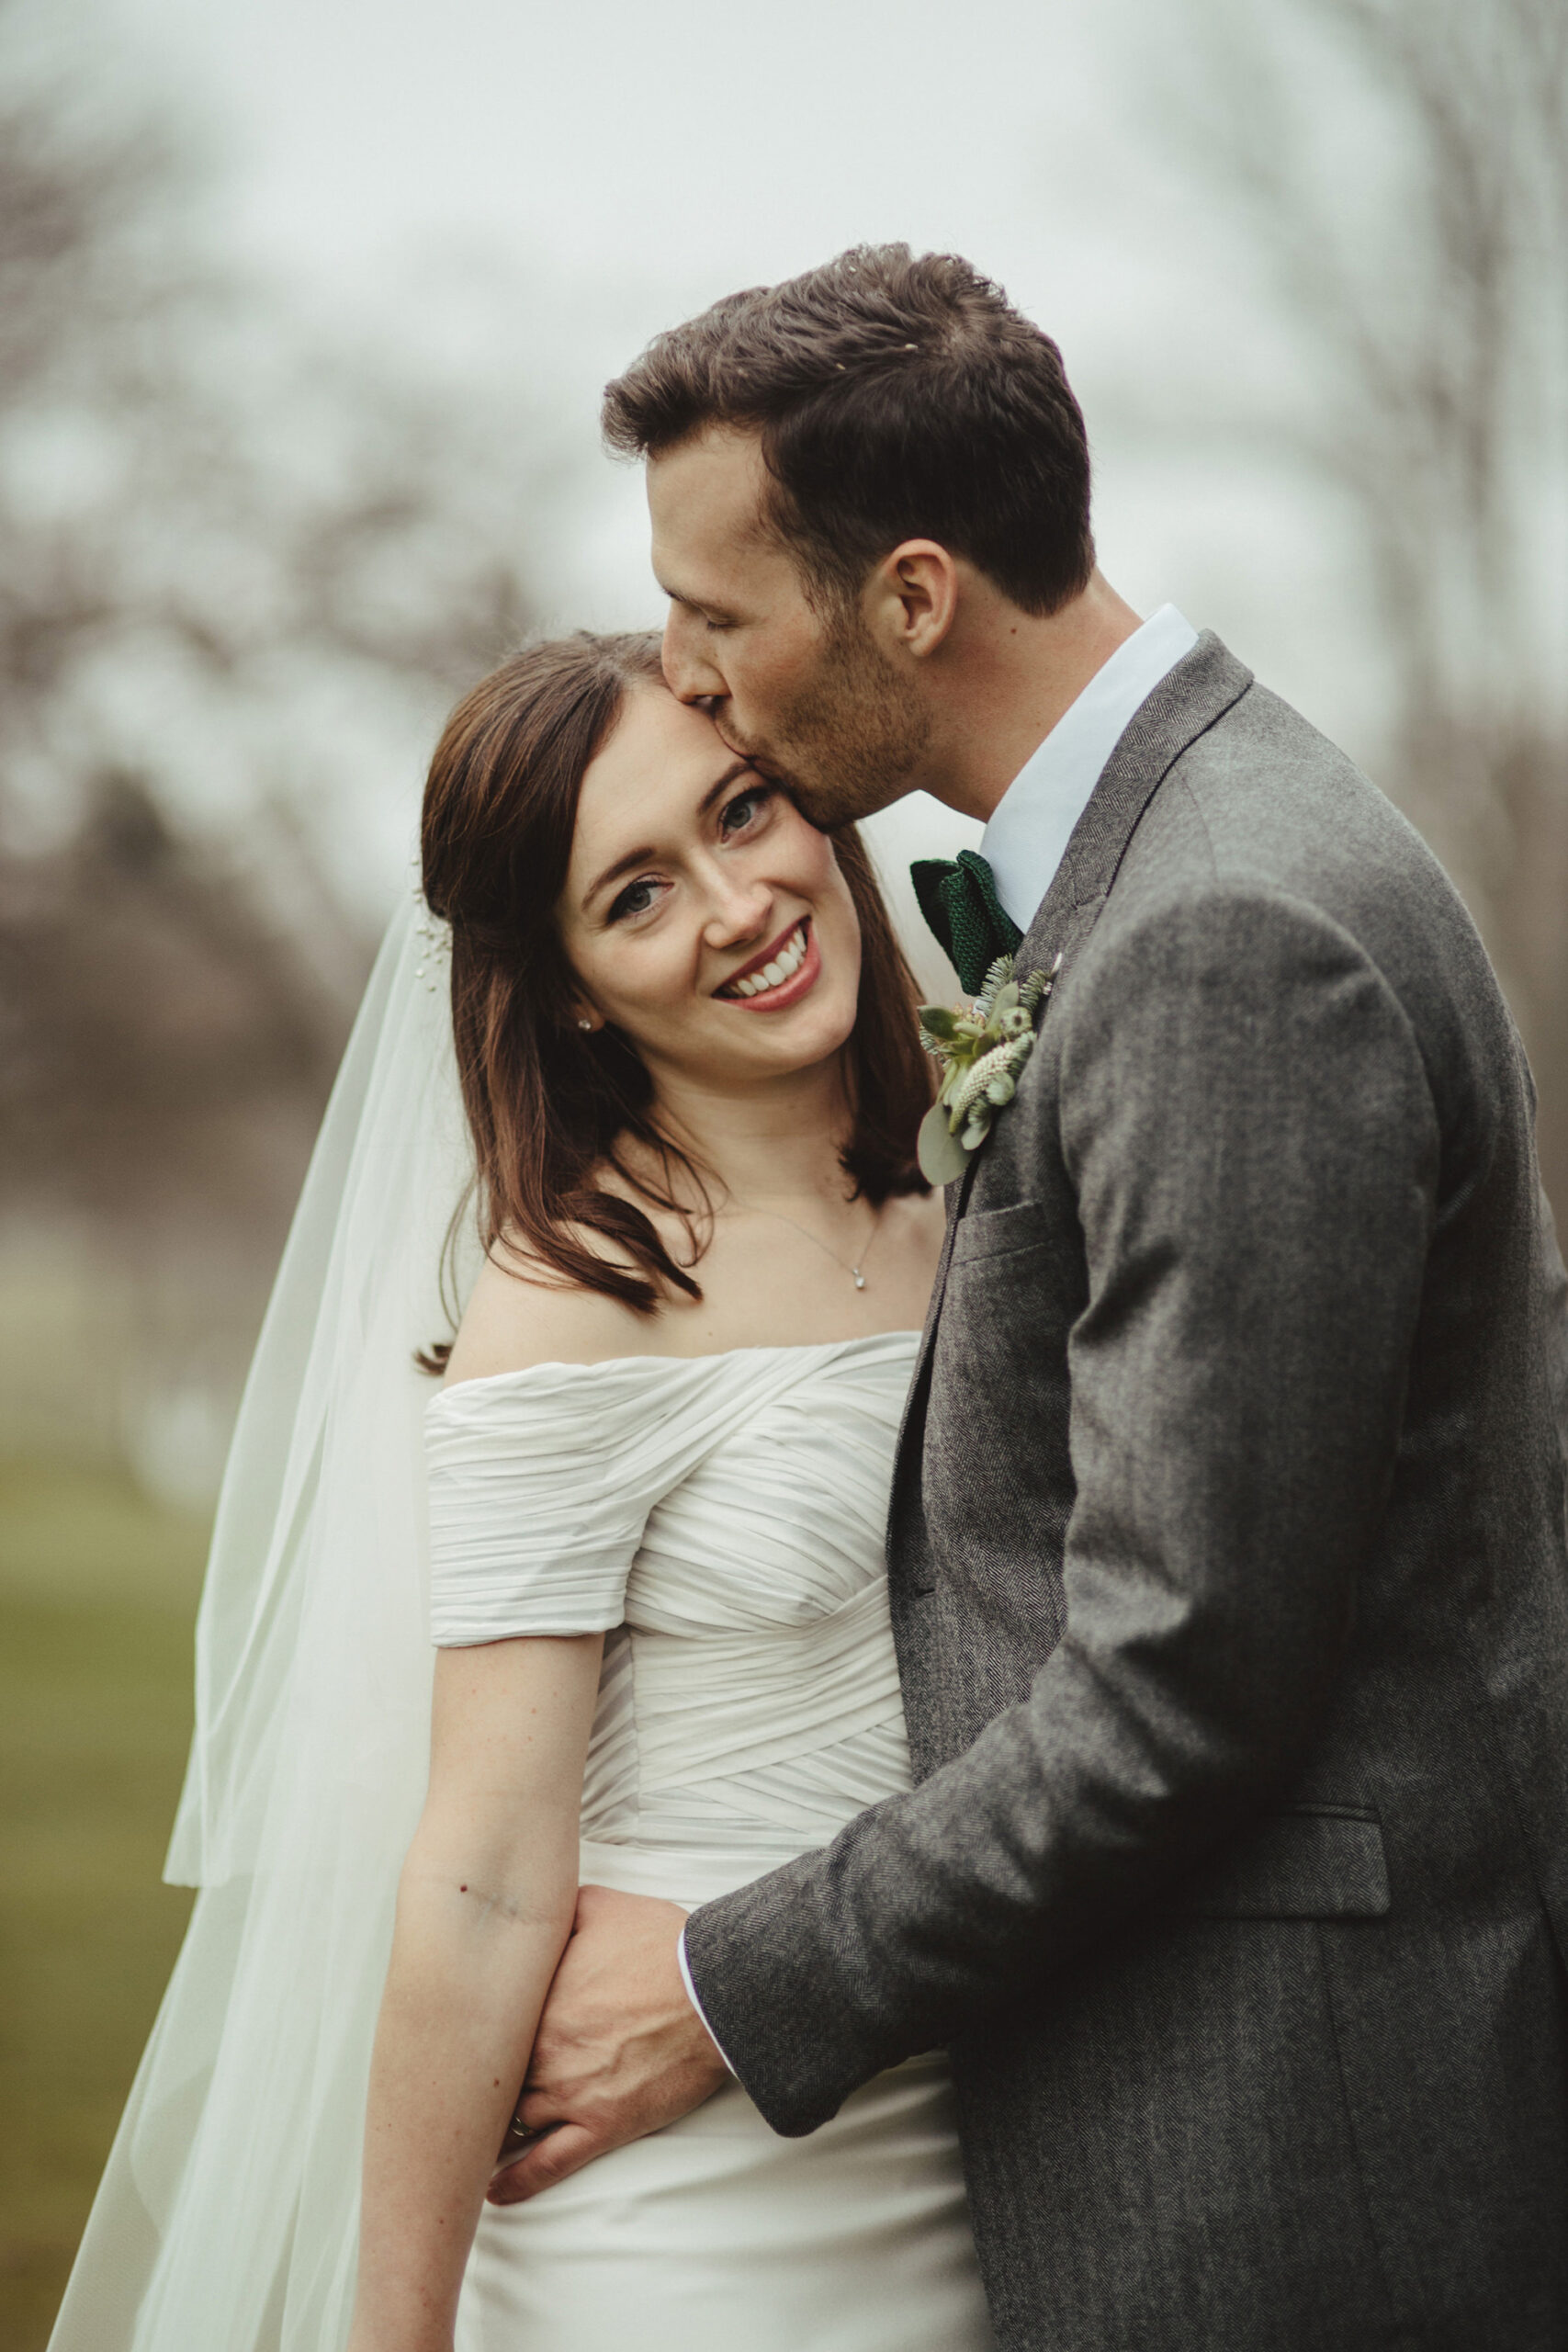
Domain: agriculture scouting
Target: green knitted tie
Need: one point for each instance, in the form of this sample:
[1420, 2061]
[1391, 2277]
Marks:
[972, 927]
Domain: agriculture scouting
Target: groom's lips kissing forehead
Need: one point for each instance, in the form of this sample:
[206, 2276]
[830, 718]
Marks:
[780, 975]
[758, 758]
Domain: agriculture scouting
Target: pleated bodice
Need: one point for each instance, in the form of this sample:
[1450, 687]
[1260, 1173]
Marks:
[721, 1520]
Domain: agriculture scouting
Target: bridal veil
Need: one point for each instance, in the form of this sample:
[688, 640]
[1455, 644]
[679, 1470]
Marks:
[227, 2217]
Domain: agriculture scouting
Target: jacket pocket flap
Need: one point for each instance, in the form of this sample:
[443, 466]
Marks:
[987, 1232]
[1316, 1864]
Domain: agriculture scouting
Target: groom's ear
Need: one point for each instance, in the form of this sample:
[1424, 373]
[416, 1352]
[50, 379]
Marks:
[912, 597]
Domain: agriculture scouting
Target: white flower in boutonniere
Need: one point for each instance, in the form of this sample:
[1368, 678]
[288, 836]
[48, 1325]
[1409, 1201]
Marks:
[982, 1047]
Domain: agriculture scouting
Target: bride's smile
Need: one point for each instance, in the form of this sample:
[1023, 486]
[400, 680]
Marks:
[781, 975]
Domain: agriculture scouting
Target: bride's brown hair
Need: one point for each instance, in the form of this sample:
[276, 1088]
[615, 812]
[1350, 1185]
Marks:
[551, 1108]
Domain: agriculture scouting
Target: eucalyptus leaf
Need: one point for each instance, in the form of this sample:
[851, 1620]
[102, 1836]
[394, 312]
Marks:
[942, 1157]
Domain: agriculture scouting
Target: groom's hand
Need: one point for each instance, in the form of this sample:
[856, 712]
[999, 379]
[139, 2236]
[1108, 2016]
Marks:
[620, 2050]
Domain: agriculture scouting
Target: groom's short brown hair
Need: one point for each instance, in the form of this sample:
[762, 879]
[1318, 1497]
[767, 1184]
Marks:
[896, 397]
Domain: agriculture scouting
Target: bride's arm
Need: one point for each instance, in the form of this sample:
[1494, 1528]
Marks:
[484, 1909]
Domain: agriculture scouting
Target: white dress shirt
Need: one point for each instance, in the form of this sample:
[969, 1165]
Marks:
[1032, 822]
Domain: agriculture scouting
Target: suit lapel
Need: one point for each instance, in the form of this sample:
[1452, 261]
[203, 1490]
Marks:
[1185, 704]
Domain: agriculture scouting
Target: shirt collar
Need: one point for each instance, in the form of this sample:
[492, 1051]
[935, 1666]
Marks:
[1032, 822]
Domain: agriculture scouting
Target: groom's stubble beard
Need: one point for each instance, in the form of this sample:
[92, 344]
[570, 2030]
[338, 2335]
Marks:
[845, 741]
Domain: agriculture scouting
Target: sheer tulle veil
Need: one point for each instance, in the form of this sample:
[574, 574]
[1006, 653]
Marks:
[227, 2214]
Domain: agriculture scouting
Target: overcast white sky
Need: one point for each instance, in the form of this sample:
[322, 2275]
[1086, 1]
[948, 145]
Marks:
[688, 142]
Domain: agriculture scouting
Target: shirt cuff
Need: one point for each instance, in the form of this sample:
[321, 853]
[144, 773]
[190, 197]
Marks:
[692, 1997]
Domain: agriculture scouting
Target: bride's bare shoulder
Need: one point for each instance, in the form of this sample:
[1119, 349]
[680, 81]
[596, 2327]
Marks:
[514, 1319]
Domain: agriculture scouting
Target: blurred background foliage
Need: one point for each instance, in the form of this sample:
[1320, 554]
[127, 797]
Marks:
[237, 556]
[1399, 169]
[248, 552]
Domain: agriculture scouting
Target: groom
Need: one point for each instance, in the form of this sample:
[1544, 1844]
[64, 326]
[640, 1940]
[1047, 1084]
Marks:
[1226, 1549]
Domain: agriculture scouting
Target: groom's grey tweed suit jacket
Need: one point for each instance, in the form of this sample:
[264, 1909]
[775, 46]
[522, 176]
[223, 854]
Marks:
[1227, 1566]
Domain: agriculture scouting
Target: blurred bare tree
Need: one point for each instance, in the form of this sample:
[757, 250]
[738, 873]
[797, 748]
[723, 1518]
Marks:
[1402, 166]
[236, 549]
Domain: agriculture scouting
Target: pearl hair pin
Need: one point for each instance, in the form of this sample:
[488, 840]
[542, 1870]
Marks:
[433, 936]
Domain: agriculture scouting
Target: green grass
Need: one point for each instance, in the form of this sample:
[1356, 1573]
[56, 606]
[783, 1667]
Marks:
[97, 1593]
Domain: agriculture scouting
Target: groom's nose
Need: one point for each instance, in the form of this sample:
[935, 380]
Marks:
[690, 671]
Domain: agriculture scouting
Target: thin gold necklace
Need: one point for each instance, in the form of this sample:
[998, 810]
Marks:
[779, 1218]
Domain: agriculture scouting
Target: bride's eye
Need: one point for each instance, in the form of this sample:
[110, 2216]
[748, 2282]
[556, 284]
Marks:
[635, 899]
[745, 809]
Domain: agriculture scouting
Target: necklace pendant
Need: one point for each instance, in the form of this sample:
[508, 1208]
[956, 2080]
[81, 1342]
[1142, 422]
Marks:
[860, 1278]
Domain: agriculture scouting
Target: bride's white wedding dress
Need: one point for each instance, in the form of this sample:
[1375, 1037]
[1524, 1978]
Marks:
[721, 1519]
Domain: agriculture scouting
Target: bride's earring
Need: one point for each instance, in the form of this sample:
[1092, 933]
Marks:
[583, 1024]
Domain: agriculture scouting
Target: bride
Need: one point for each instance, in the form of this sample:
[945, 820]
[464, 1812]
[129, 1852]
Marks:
[682, 1033]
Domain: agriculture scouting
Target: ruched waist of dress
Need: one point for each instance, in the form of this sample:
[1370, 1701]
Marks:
[684, 1874]
[739, 1702]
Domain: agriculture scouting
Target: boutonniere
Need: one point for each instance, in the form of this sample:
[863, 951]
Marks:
[981, 1049]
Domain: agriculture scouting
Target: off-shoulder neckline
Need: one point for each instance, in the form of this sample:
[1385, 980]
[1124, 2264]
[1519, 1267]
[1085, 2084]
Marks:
[716, 1355]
